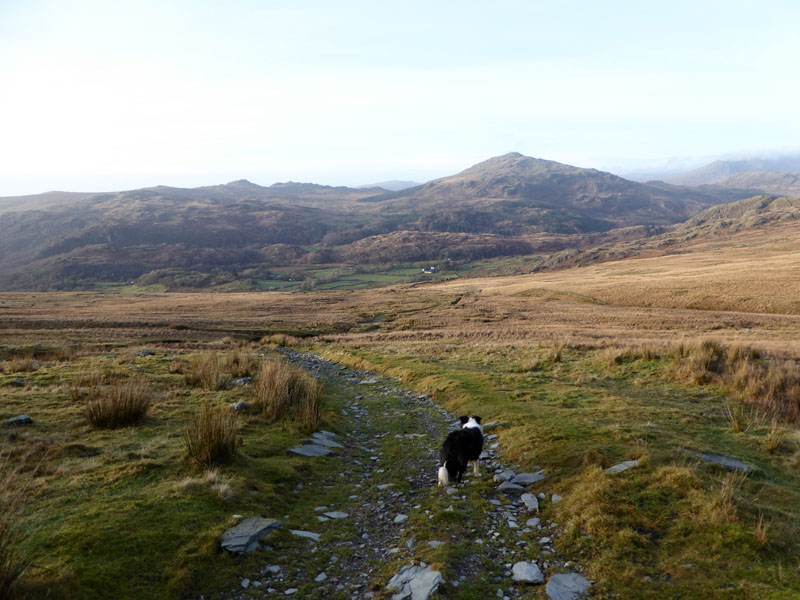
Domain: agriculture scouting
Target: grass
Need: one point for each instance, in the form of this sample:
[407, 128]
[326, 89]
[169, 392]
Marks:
[122, 404]
[15, 557]
[285, 392]
[575, 411]
[94, 483]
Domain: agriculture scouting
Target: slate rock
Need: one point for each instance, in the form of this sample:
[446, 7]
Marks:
[527, 572]
[730, 464]
[510, 488]
[555, 498]
[309, 535]
[527, 478]
[415, 582]
[400, 519]
[310, 451]
[240, 382]
[504, 476]
[569, 586]
[241, 406]
[530, 501]
[323, 440]
[145, 353]
[623, 466]
[244, 537]
[19, 421]
[336, 514]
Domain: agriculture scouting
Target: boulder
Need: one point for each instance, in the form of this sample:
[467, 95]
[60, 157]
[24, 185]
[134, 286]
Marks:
[527, 572]
[244, 537]
[569, 586]
[415, 582]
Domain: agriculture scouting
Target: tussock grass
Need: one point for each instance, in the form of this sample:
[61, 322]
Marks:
[770, 385]
[210, 480]
[206, 371]
[20, 364]
[280, 339]
[214, 371]
[211, 438]
[285, 392]
[121, 404]
[14, 557]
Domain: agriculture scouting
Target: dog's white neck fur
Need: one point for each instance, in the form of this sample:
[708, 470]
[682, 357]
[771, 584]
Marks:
[472, 423]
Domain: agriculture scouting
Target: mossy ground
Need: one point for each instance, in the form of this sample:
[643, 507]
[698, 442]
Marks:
[663, 529]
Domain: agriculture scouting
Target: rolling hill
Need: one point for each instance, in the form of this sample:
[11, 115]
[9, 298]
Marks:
[507, 205]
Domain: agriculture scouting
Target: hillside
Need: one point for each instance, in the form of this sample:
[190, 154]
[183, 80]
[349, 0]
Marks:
[744, 256]
[515, 195]
[767, 182]
[719, 170]
[239, 232]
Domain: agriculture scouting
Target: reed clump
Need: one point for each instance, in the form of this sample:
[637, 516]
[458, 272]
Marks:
[211, 439]
[285, 392]
[121, 404]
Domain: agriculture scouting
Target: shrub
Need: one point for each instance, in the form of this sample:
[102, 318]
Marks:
[121, 404]
[284, 391]
[14, 559]
[211, 439]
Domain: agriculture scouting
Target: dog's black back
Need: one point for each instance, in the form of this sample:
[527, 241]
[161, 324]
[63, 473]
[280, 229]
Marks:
[459, 448]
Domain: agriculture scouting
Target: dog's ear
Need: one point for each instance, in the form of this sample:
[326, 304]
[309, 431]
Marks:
[477, 420]
[463, 420]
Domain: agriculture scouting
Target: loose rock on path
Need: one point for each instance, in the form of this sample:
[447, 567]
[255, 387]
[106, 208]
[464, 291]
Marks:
[389, 458]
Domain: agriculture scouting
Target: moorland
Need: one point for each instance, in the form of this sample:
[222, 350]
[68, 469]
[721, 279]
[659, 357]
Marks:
[658, 348]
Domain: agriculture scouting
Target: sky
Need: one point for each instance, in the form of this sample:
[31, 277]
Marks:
[105, 95]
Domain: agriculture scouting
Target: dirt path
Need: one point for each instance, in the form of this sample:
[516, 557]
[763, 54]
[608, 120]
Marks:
[378, 509]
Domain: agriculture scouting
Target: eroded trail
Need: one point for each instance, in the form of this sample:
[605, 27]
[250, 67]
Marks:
[378, 509]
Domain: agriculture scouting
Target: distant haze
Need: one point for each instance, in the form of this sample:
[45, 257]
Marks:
[121, 95]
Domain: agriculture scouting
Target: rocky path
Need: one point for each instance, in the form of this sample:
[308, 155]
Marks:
[378, 519]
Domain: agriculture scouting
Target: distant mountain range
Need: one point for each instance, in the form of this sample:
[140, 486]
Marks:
[393, 185]
[720, 170]
[507, 205]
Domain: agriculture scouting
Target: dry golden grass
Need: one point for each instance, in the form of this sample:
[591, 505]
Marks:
[283, 391]
[207, 371]
[211, 439]
[210, 480]
[123, 403]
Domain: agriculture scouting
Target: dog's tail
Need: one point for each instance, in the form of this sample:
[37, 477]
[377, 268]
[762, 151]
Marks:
[444, 476]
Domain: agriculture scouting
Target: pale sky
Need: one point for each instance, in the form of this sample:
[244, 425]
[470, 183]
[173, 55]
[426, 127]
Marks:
[106, 95]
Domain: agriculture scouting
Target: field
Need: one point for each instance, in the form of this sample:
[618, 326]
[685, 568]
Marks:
[656, 359]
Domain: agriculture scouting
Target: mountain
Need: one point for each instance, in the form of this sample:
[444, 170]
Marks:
[392, 185]
[767, 182]
[507, 205]
[515, 195]
[720, 170]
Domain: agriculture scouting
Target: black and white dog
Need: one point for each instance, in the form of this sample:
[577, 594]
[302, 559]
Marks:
[459, 448]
